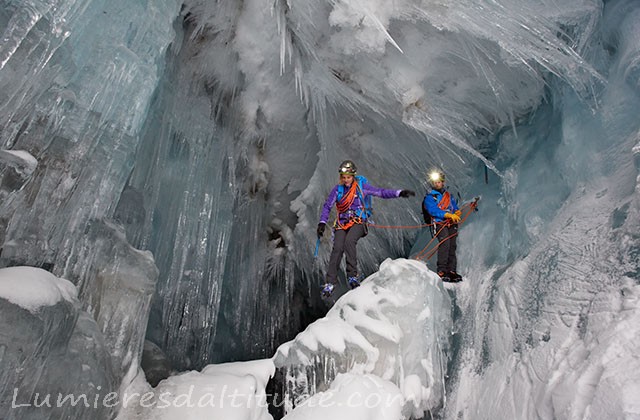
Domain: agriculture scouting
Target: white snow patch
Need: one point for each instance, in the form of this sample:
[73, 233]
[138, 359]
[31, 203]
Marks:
[353, 397]
[230, 391]
[33, 288]
[261, 370]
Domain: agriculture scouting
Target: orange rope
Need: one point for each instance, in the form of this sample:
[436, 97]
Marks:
[345, 204]
[348, 198]
[445, 202]
[471, 205]
[420, 255]
[398, 227]
[432, 252]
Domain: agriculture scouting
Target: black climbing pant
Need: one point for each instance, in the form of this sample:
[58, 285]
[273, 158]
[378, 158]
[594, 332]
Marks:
[447, 260]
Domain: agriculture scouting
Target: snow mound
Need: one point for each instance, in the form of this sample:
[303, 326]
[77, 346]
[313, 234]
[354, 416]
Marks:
[32, 288]
[396, 327]
[353, 397]
[230, 391]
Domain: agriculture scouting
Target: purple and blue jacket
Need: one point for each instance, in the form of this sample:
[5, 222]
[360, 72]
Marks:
[357, 207]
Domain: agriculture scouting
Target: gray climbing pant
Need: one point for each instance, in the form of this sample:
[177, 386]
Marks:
[345, 242]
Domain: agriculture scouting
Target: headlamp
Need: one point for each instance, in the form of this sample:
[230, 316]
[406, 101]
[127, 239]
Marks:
[435, 176]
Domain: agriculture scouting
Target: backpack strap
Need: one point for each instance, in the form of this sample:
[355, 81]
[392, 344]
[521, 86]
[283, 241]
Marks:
[364, 212]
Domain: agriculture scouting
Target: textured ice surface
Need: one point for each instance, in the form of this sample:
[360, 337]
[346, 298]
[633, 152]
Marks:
[20, 159]
[16, 166]
[116, 289]
[76, 80]
[545, 328]
[396, 326]
[49, 349]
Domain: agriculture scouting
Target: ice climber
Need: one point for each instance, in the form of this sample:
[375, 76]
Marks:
[352, 197]
[441, 211]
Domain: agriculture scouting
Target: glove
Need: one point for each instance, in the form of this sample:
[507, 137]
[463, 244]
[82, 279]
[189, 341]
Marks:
[458, 213]
[452, 216]
[407, 193]
[320, 230]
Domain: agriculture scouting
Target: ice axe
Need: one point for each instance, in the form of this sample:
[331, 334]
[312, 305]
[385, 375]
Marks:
[315, 254]
[474, 204]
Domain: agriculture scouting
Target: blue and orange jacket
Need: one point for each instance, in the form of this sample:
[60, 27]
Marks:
[438, 203]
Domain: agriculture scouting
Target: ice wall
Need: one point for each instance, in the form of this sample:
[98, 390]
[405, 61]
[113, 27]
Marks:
[548, 327]
[66, 67]
[201, 182]
[49, 349]
[76, 80]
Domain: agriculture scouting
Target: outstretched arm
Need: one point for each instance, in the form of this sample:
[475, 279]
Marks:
[384, 193]
[369, 189]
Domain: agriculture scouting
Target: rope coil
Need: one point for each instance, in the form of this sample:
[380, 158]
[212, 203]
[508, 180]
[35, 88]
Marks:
[423, 254]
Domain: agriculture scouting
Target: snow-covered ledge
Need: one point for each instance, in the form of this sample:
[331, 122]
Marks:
[382, 348]
[32, 288]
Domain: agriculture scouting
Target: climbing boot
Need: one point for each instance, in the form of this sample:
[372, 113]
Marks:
[327, 289]
[444, 276]
[455, 277]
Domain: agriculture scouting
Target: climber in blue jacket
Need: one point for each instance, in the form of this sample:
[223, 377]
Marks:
[441, 210]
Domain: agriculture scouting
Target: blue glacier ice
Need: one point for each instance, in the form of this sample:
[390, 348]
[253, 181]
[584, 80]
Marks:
[169, 159]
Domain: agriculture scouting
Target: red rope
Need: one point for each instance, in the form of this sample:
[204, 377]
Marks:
[427, 255]
[420, 255]
[345, 204]
[471, 205]
[347, 200]
[431, 253]
[398, 227]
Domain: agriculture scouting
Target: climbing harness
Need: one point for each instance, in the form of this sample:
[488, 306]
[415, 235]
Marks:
[343, 205]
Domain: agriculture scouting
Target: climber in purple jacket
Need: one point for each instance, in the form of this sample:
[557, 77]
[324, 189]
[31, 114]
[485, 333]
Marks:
[352, 197]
